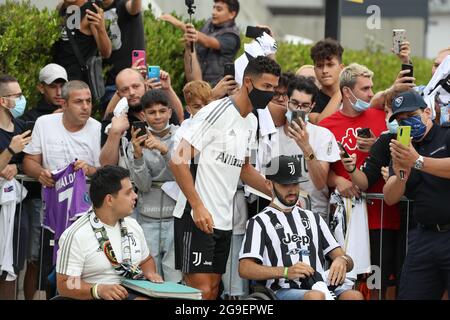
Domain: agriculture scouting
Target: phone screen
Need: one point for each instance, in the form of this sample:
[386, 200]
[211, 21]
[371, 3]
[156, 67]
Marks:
[364, 133]
[406, 66]
[346, 155]
[154, 72]
[229, 69]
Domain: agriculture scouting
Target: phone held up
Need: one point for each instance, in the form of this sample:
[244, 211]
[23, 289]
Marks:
[398, 36]
[255, 32]
[407, 66]
[296, 115]
[228, 69]
[140, 125]
[136, 55]
[363, 132]
[154, 72]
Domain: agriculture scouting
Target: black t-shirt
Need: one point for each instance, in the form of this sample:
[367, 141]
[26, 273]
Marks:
[64, 55]
[126, 33]
[379, 156]
[430, 193]
[321, 102]
[6, 136]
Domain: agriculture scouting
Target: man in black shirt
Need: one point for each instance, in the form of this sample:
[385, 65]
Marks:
[123, 18]
[327, 57]
[421, 172]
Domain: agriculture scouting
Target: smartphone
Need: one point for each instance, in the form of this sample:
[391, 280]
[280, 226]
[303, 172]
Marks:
[345, 155]
[228, 69]
[90, 6]
[298, 114]
[398, 36]
[255, 32]
[153, 72]
[140, 125]
[410, 67]
[404, 135]
[363, 132]
[29, 125]
[136, 55]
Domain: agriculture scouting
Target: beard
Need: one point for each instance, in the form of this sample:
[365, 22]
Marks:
[135, 108]
[284, 202]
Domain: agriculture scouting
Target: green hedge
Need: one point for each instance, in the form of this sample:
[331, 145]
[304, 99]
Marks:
[27, 34]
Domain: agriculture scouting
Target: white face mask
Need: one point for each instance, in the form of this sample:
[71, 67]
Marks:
[159, 131]
[282, 206]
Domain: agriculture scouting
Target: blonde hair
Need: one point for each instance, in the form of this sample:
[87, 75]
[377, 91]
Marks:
[350, 74]
[444, 50]
[305, 66]
[197, 89]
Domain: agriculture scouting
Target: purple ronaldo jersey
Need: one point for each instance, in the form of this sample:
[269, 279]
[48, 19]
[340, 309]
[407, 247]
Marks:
[65, 202]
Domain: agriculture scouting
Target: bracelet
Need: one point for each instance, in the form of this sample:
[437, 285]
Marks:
[347, 260]
[354, 169]
[94, 292]
[11, 151]
[285, 274]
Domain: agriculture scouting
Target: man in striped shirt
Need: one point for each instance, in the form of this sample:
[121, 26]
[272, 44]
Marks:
[285, 246]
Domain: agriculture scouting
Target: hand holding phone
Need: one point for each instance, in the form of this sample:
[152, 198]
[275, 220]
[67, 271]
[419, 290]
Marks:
[363, 133]
[296, 115]
[404, 137]
[398, 37]
[154, 73]
[136, 55]
[345, 153]
[29, 125]
[410, 67]
[255, 32]
[140, 125]
[228, 69]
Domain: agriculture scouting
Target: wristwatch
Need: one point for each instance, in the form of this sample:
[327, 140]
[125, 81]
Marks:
[419, 163]
[310, 157]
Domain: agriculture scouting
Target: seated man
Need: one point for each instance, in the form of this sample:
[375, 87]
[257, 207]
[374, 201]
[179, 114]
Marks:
[286, 245]
[105, 245]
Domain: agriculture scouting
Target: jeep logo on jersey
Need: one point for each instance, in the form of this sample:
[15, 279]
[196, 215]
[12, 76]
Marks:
[292, 167]
[296, 238]
[398, 102]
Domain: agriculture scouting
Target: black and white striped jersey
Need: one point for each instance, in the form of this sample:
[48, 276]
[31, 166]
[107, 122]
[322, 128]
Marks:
[224, 139]
[280, 239]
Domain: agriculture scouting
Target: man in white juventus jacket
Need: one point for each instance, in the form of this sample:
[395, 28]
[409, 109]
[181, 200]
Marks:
[286, 245]
[220, 138]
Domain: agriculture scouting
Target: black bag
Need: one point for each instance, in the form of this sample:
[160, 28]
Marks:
[93, 68]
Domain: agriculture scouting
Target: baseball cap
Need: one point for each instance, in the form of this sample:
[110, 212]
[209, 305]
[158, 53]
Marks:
[285, 170]
[51, 72]
[406, 102]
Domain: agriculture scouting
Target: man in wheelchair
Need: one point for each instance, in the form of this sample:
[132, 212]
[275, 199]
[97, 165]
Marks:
[285, 246]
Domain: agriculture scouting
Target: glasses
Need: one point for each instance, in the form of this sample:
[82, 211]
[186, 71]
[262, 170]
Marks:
[15, 95]
[278, 95]
[297, 105]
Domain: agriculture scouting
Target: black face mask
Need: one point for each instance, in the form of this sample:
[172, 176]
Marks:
[260, 98]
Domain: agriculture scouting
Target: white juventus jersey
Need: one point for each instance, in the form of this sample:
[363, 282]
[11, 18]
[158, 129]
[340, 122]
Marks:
[278, 239]
[224, 139]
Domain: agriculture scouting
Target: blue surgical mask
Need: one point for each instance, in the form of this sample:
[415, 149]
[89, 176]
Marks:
[392, 126]
[418, 128]
[19, 109]
[359, 105]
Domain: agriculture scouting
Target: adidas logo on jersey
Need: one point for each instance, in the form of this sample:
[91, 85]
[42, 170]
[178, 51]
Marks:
[278, 226]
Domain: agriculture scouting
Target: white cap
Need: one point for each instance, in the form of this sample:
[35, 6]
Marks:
[51, 72]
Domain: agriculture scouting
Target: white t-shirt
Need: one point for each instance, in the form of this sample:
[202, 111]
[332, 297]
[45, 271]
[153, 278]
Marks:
[325, 148]
[79, 253]
[60, 147]
[223, 138]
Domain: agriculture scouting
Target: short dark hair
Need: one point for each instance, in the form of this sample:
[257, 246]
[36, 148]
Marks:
[285, 79]
[154, 97]
[106, 180]
[260, 65]
[303, 84]
[4, 81]
[233, 5]
[326, 49]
